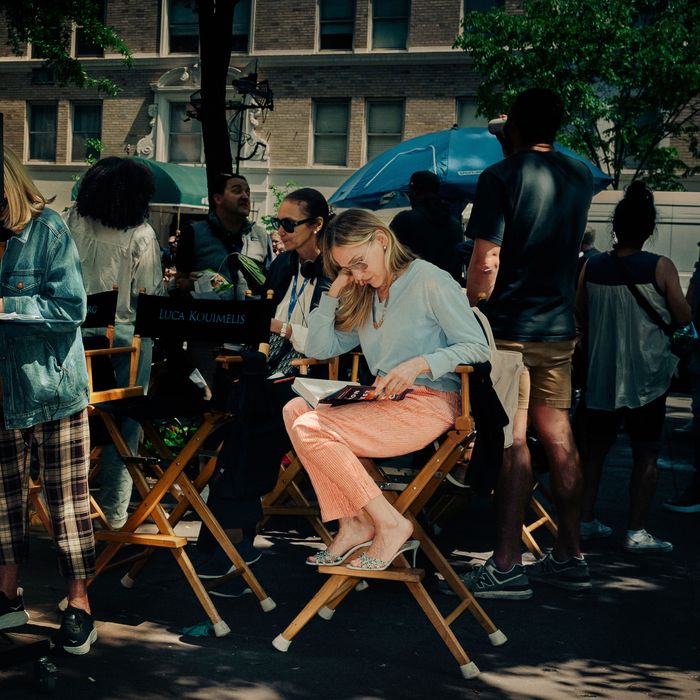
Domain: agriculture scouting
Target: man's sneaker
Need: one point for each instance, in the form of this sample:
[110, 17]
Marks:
[594, 529]
[643, 541]
[687, 502]
[12, 612]
[220, 565]
[235, 588]
[77, 631]
[571, 574]
[487, 581]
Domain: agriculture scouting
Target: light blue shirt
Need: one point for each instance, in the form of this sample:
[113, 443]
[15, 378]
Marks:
[427, 314]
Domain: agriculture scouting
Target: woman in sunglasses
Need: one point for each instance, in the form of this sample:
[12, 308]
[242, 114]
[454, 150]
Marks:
[255, 444]
[414, 324]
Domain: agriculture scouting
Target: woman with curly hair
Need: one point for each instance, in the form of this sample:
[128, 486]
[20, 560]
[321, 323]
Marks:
[117, 246]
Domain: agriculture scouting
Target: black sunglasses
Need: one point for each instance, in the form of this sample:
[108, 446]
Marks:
[289, 224]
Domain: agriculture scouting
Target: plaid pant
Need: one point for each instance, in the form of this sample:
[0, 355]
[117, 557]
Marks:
[62, 448]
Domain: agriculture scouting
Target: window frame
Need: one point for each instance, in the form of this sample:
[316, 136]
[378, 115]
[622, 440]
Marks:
[321, 22]
[167, 132]
[315, 134]
[71, 138]
[165, 36]
[373, 19]
[28, 118]
[459, 101]
[369, 102]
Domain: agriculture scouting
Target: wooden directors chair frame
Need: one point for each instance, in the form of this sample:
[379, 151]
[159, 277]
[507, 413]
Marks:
[342, 580]
[165, 318]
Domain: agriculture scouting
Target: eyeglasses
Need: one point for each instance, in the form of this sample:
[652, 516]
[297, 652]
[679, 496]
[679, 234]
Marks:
[360, 265]
[289, 224]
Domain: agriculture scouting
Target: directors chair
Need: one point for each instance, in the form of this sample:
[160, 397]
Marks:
[409, 502]
[174, 321]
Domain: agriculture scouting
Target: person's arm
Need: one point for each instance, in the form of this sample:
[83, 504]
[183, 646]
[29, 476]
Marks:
[581, 303]
[669, 283]
[323, 341]
[184, 260]
[483, 270]
[147, 270]
[465, 340]
[63, 296]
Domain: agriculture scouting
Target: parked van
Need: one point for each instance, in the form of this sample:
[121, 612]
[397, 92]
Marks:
[678, 226]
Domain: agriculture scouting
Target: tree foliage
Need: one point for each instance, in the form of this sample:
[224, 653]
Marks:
[627, 70]
[47, 24]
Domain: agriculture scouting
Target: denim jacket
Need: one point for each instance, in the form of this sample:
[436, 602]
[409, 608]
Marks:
[42, 364]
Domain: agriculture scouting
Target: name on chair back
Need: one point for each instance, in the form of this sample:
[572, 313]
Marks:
[194, 316]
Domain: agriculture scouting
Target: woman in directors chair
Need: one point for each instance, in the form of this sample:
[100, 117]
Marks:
[414, 325]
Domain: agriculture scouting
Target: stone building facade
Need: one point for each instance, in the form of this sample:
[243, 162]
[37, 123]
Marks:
[350, 78]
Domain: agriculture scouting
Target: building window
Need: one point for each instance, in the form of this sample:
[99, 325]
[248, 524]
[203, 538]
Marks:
[481, 5]
[390, 19]
[185, 137]
[241, 26]
[331, 133]
[87, 126]
[336, 24]
[466, 113]
[42, 121]
[384, 125]
[183, 26]
[84, 45]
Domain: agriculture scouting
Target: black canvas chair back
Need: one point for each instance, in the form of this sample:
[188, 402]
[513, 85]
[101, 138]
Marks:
[173, 321]
[240, 322]
[101, 313]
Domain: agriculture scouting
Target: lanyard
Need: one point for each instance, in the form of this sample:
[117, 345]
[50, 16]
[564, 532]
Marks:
[293, 295]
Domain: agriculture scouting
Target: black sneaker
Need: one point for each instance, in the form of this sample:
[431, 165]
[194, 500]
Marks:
[572, 574]
[488, 582]
[77, 631]
[12, 612]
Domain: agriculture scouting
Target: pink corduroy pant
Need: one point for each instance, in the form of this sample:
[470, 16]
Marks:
[329, 440]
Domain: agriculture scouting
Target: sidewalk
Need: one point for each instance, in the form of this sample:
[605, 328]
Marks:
[634, 636]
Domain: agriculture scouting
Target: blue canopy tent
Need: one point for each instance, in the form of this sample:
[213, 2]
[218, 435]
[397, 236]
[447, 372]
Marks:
[456, 156]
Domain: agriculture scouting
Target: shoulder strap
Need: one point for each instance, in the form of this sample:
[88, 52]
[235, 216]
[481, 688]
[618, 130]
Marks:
[643, 303]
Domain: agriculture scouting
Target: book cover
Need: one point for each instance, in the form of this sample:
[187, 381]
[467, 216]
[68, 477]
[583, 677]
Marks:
[316, 391]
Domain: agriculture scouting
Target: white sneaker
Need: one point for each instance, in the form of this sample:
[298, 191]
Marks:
[642, 541]
[594, 529]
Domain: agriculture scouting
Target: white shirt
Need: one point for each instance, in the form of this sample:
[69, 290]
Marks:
[128, 258]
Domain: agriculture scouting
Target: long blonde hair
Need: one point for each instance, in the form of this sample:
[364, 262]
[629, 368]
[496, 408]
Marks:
[24, 201]
[355, 227]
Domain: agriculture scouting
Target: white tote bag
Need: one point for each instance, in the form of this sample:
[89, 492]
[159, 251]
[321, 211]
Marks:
[506, 368]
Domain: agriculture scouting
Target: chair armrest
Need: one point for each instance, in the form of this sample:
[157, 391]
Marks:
[464, 421]
[305, 362]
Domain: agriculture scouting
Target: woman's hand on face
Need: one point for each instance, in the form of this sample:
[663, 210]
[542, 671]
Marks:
[340, 282]
[401, 377]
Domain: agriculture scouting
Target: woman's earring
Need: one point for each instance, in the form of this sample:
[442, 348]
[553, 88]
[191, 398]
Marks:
[384, 247]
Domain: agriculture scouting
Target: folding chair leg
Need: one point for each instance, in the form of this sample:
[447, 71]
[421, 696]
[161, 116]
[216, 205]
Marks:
[468, 668]
[221, 629]
[469, 603]
[334, 586]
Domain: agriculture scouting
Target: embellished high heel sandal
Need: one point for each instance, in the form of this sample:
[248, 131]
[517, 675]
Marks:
[368, 563]
[325, 558]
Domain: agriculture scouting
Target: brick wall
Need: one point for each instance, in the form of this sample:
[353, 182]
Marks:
[434, 23]
[282, 25]
[137, 22]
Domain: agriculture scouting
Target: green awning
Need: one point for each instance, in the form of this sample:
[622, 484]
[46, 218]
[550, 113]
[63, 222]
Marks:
[176, 185]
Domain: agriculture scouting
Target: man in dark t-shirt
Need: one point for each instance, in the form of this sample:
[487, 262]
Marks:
[429, 228]
[528, 220]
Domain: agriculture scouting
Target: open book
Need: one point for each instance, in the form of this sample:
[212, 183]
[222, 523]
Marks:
[316, 391]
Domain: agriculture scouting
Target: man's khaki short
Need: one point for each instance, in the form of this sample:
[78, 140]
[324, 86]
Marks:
[546, 380]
